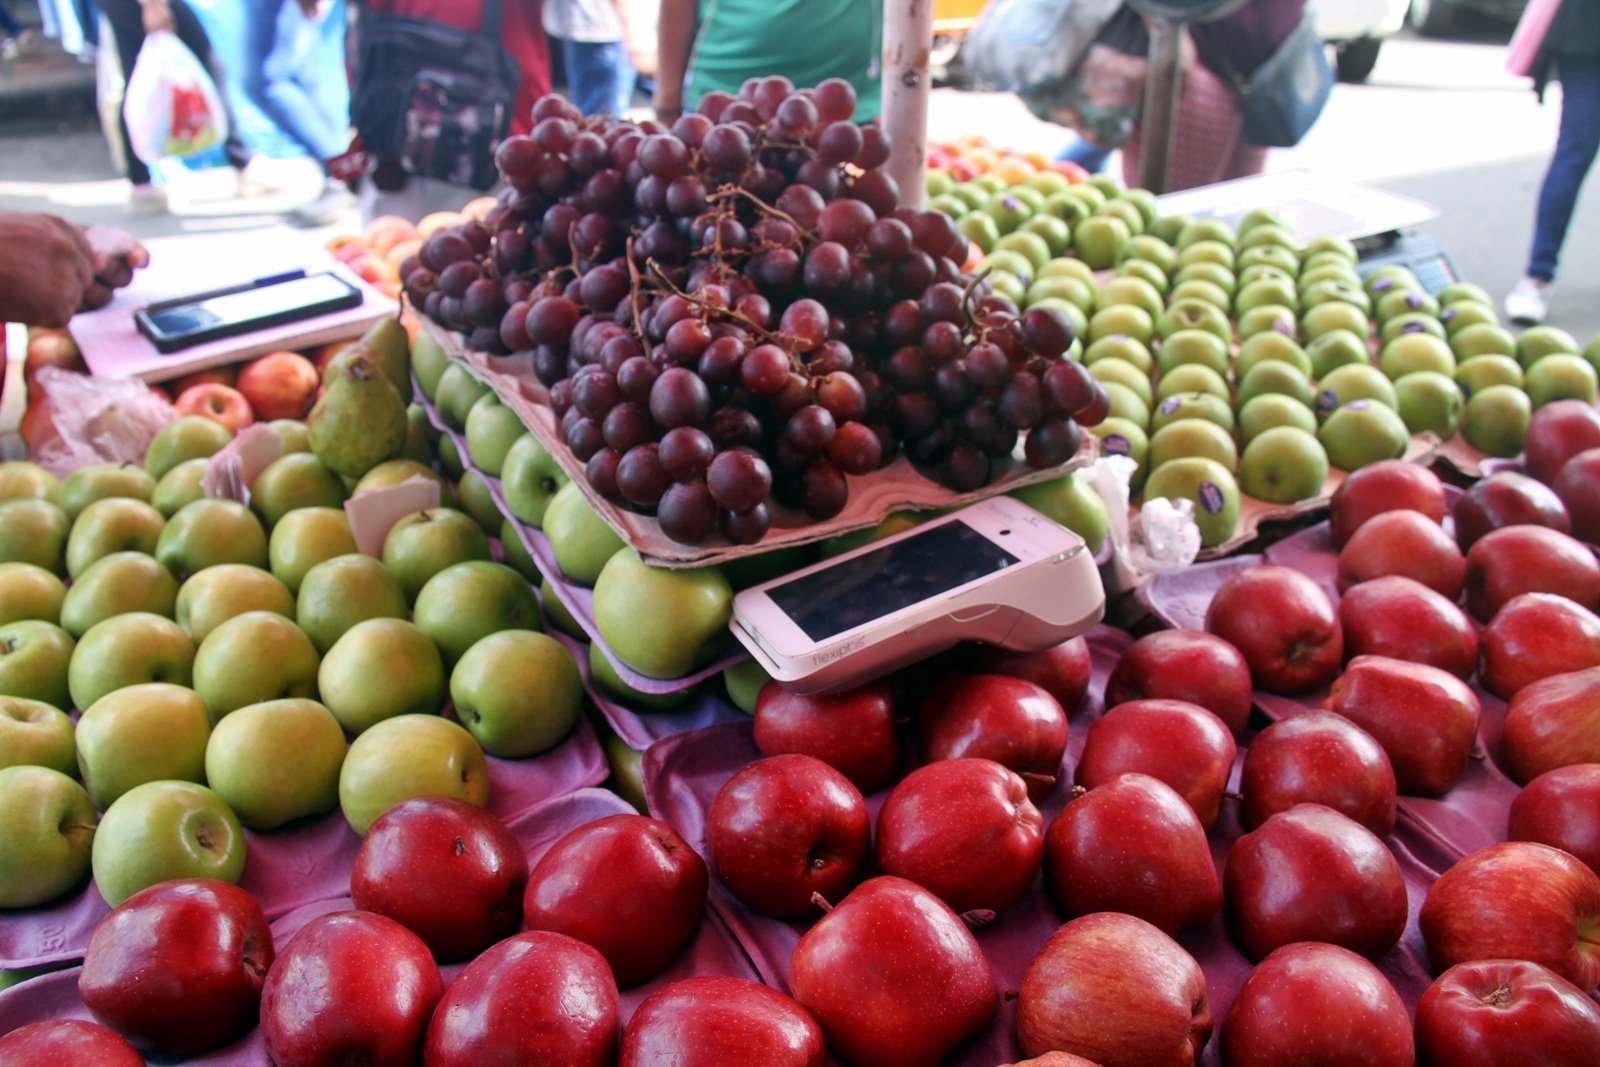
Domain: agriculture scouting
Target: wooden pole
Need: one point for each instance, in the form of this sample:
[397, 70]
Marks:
[1160, 103]
[907, 40]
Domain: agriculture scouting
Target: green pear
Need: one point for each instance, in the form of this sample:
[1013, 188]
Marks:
[359, 421]
[660, 622]
[388, 347]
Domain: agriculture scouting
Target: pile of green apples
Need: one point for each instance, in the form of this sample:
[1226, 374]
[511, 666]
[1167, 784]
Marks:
[1240, 361]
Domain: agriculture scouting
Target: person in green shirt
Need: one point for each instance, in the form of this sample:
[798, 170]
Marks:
[716, 44]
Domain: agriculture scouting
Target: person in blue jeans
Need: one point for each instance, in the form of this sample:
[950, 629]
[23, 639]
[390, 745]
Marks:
[12, 35]
[282, 70]
[1570, 53]
[590, 33]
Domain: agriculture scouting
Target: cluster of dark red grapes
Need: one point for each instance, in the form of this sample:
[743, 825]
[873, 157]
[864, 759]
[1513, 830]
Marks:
[735, 311]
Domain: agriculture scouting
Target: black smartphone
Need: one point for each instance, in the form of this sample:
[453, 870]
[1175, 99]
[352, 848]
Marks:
[173, 325]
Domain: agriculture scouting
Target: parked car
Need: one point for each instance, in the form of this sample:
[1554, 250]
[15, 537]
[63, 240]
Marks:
[1437, 17]
[1356, 30]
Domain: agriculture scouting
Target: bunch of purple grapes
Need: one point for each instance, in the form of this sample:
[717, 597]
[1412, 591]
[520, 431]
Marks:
[735, 312]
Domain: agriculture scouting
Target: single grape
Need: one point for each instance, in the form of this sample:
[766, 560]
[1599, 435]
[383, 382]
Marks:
[679, 398]
[964, 468]
[584, 437]
[810, 428]
[627, 424]
[686, 513]
[835, 99]
[745, 527]
[805, 323]
[739, 479]
[1053, 442]
[855, 448]
[686, 453]
[1021, 400]
[640, 477]
[601, 471]
[839, 142]
[823, 489]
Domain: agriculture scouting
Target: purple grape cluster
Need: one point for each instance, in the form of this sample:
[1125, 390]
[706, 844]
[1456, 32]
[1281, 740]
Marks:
[735, 312]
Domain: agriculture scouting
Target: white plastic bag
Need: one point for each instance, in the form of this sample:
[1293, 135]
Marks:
[172, 106]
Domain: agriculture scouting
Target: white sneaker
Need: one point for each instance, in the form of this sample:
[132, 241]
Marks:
[1525, 304]
[333, 201]
[146, 200]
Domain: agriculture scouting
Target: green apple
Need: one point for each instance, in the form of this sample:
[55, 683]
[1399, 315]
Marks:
[1199, 289]
[410, 756]
[1285, 259]
[22, 480]
[1209, 254]
[1192, 378]
[47, 825]
[34, 530]
[1457, 291]
[743, 682]
[116, 584]
[28, 591]
[1495, 420]
[1062, 290]
[1070, 268]
[1536, 342]
[1115, 371]
[128, 649]
[467, 602]
[394, 471]
[661, 622]
[1126, 402]
[1266, 292]
[1361, 432]
[1591, 352]
[1323, 268]
[1123, 290]
[217, 594]
[515, 552]
[1283, 465]
[292, 432]
[297, 480]
[530, 477]
[1031, 246]
[1207, 229]
[457, 390]
[1168, 227]
[580, 539]
[141, 733]
[1333, 315]
[1205, 483]
[1098, 239]
[556, 615]
[1463, 313]
[1193, 437]
[1130, 350]
[256, 656]
[1331, 245]
[1126, 320]
[1403, 301]
[424, 543]
[1072, 502]
[1273, 232]
[1560, 376]
[1380, 280]
[428, 362]
[114, 524]
[164, 830]
[1127, 212]
[1007, 274]
[1413, 322]
[1267, 272]
[978, 227]
[305, 537]
[208, 532]
[380, 668]
[1267, 346]
[185, 437]
[1194, 315]
[276, 761]
[604, 677]
[1143, 199]
[1480, 372]
[179, 486]
[1483, 339]
[518, 692]
[34, 656]
[1335, 349]
[420, 436]
[38, 734]
[1144, 270]
[477, 500]
[1354, 381]
[1274, 317]
[1121, 437]
[1153, 250]
[1008, 211]
[1412, 352]
[1275, 376]
[338, 593]
[1215, 274]
[1429, 402]
[1192, 406]
[98, 481]
[1193, 346]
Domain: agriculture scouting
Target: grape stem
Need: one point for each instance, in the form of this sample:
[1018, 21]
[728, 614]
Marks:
[730, 190]
[972, 286]
[635, 283]
[713, 309]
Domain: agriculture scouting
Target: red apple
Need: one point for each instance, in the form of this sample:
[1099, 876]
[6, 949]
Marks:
[1317, 1003]
[1516, 900]
[1318, 758]
[1116, 990]
[1558, 431]
[1507, 498]
[784, 828]
[226, 374]
[447, 870]
[1406, 543]
[1015, 722]
[279, 385]
[893, 976]
[712, 1020]
[1578, 487]
[1425, 719]
[67, 1043]
[1282, 623]
[1561, 808]
[573, 890]
[965, 830]
[1383, 486]
[1132, 845]
[1403, 619]
[1054, 1059]
[1178, 742]
[1061, 670]
[1312, 874]
[49, 348]
[1529, 559]
[1492, 1012]
[178, 967]
[1190, 665]
[1555, 722]
[535, 997]
[1534, 636]
[219, 402]
[349, 987]
[852, 732]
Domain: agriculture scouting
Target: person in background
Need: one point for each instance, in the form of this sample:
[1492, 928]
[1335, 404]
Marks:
[67, 269]
[130, 20]
[716, 44]
[1208, 142]
[280, 77]
[1569, 53]
[15, 37]
[591, 35]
